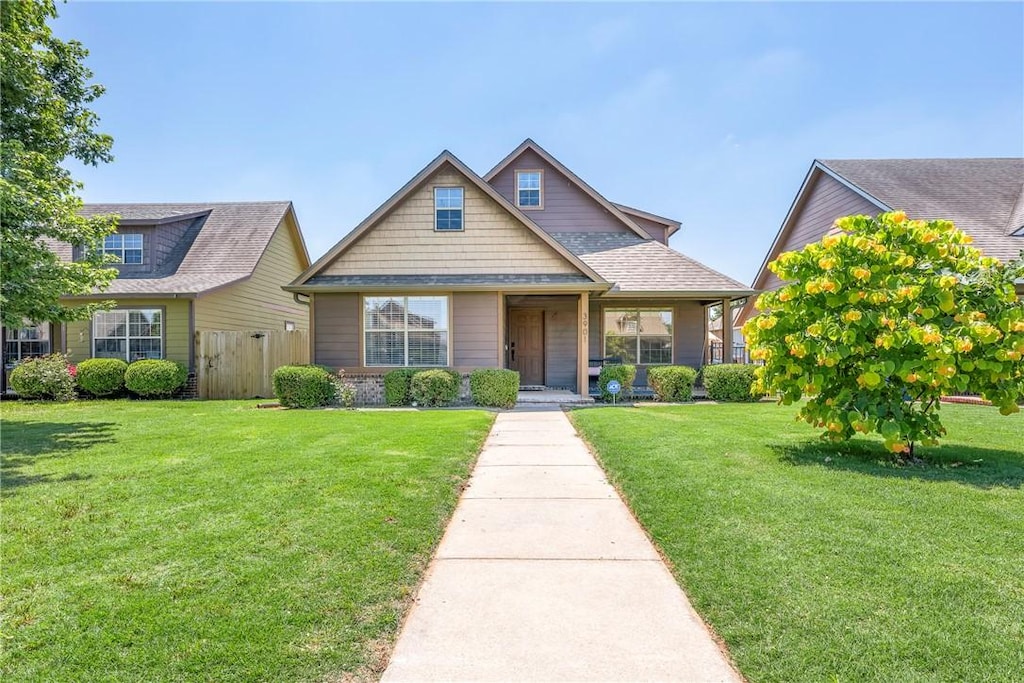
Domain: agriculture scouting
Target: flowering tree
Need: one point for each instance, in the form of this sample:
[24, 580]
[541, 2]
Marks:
[877, 322]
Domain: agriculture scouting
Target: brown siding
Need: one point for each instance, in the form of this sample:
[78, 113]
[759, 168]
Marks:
[827, 200]
[655, 230]
[336, 333]
[177, 343]
[405, 242]
[475, 329]
[567, 208]
[688, 333]
[259, 303]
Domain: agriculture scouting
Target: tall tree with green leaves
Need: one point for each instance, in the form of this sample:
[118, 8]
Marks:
[878, 322]
[45, 121]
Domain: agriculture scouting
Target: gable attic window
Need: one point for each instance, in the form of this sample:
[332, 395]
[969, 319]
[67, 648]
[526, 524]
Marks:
[448, 202]
[528, 189]
[126, 247]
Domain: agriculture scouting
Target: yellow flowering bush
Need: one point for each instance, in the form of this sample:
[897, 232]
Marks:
[878, 321]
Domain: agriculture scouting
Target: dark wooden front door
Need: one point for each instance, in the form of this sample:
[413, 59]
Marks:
[526, 344]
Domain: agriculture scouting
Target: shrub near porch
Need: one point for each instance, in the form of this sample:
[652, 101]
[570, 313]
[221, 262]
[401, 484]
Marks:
[821, 562]
[212, 541]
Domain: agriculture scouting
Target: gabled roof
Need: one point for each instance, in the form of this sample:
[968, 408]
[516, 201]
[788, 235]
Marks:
[608, 206]
[228, 240]
[646, 267]
[445, 158]
[983, 197]
[672, 225]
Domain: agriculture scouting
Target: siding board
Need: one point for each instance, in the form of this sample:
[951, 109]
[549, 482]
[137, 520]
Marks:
[475, 329]
[405, 243]
[827, 200]
[336, 334]
[259, 303]
[567, 208]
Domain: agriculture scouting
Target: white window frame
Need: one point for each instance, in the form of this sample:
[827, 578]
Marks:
[405, 328]
[128, 336]
[14, 335]
[461, 208]
[119, 249]
[540, 189]
[638, 334]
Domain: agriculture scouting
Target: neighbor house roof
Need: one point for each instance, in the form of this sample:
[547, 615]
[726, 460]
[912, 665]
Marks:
[223, 246]
[641, 266]
[983, 197]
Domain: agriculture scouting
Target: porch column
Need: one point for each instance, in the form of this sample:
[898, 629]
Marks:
[583, 345]
[726, 330]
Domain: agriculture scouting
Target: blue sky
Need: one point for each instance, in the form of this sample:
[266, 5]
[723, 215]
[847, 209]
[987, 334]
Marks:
[707, 113]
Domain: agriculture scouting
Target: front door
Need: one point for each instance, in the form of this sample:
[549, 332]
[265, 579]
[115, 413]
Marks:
[526, 344]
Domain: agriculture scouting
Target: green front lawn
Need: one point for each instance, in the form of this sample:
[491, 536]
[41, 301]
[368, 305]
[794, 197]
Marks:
[829, 563]
[214, 541]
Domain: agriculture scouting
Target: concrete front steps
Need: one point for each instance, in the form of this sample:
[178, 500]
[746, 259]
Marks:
[551, 397]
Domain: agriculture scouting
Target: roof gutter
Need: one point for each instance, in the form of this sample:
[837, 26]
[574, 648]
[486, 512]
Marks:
[504, 287]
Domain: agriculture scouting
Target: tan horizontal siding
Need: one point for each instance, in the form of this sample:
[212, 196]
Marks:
[78, 335]
[259, 303]
[405, 242]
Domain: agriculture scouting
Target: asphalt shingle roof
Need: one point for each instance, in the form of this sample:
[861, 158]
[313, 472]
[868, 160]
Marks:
[445, 280]
[640, 265]
[983, 197]
[230, 241]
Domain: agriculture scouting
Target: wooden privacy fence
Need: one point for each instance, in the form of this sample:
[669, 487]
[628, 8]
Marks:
[240, 364]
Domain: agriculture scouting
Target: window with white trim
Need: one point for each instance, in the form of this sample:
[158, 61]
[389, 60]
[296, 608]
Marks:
[638, 336]
[25, 342]
[130, 335]
[528, 189]
[126, 247]
[405, 331]
[448, 205]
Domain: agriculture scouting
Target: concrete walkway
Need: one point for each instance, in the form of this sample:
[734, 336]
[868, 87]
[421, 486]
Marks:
[543, 574]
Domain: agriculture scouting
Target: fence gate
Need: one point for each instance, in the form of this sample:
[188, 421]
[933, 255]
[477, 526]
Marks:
[240, 364]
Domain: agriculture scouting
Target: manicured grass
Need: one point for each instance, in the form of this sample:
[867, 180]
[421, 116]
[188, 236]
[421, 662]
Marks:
[213, 541]
[829, 563]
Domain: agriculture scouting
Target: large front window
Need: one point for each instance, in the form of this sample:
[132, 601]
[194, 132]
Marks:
[26, 342]
[128, 334]
[638, 336]
[127, 248]
[405, 331]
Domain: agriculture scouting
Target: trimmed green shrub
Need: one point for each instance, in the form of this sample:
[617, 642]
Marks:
[435, 387]
[672, 383]
[729, 382]
[47, 377]
[155, 378]
[303, 386]
[101, 376]
[495, 388]
[624, 373]
[396, 386]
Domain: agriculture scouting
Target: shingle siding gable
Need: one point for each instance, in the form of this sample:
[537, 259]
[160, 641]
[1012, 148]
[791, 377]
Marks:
[567, 208]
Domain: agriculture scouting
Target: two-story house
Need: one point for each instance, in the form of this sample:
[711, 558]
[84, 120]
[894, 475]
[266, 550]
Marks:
[182, 268]
[526, 267]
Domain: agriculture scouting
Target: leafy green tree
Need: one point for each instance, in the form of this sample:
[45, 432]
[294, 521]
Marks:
[44, 121]
[876, 323]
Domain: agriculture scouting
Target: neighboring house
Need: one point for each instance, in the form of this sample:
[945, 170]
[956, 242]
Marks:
[527, 267]
[183, 268]
[983, 197]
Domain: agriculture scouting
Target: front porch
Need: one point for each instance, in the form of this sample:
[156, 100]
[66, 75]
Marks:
[561, 341]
